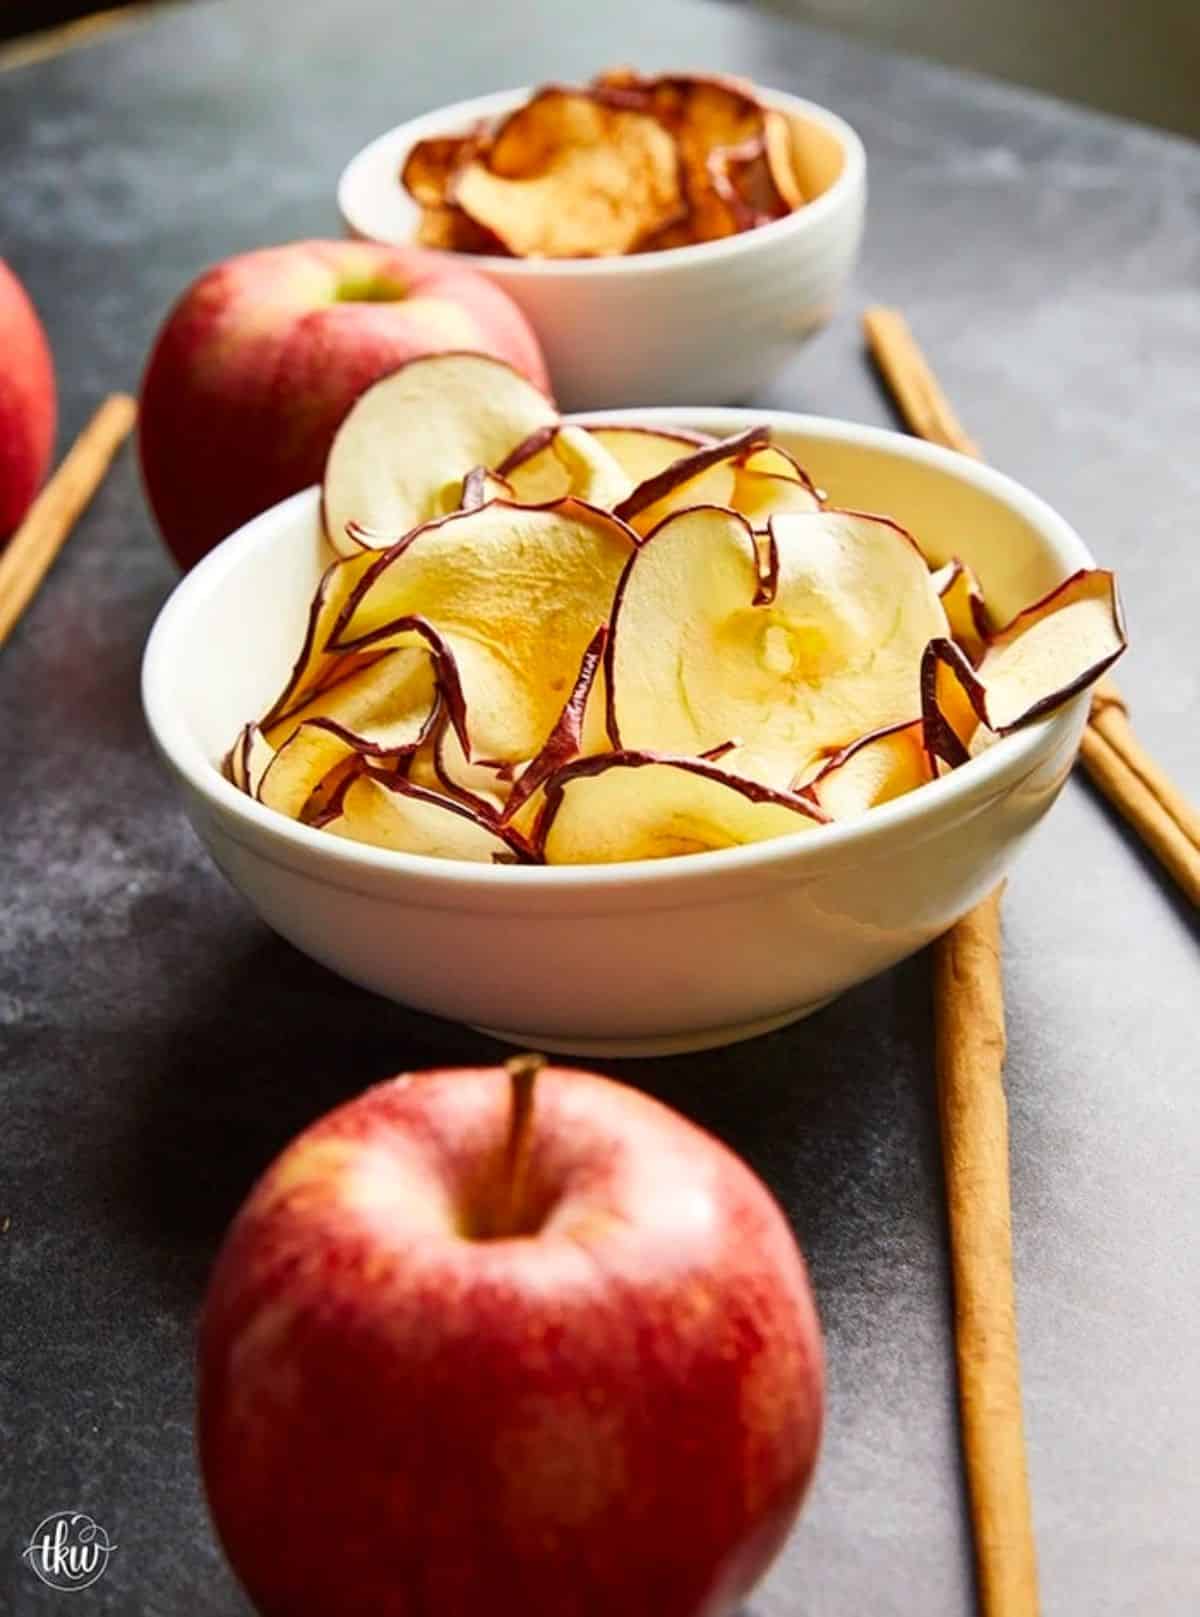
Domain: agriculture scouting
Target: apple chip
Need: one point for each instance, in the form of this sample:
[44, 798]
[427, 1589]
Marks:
[578, 733]
[1047, 654]
[300, 765]
[440, 765]
[559, 461]
[388, 811]
[643, 452]
[768, 483]
[571, 175]
[400, 456]
[963, 603]
[631, 805]
[511, 596]
[479, 486]
[383, 706]
[708, 476]
[449, 230]
[873, 769]
[248, 759]
[794, 651]
[428, 172]
[316, 664]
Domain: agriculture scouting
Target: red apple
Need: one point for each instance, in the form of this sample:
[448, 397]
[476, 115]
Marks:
[261, 358]
[490, 1342]
[27, 402]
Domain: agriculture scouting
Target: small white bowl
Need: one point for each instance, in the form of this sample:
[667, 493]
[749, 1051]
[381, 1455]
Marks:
[646, 957]
[683, 326]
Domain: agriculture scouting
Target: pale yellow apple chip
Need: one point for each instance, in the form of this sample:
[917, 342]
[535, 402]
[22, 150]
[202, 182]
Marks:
[382, 706]
[872, 770]
[643, 452]
[248, 759]
[647, 806]
[559, 461]
[509, 596]
[962, 600]
[1047, 654]
[390, 812]
[793, 650]
[579, 732]
[301, 764]
[569, 175]
[400, 456]
[769, 483]
[708, 476]
[440, 765]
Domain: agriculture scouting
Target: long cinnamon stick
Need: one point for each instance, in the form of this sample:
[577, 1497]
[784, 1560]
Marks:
[30, 552]
[970, 1044]
[1110, 717]
[1128, 792]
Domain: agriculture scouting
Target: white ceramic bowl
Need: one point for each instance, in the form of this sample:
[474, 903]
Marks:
[684, 326]
[646, 957]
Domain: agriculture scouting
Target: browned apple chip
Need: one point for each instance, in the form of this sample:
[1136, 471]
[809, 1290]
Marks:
[449, 230]
[570, 175]
[429, 169]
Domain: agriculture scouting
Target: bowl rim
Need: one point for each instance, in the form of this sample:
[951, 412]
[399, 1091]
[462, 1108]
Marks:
[809, 852]
[395, 143]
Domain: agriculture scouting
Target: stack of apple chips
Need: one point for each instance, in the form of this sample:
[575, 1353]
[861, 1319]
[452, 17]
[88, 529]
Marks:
[540, 642]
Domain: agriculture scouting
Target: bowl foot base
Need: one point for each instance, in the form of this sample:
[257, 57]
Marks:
[658, 1044]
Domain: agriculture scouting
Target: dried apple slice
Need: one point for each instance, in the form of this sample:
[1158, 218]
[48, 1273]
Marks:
[642, 805]
[511, 595]
[708, 476]
[428, 172]
[388, 811]
[573, 175]
[643, 452]
[440, 765]
[400, 456]
[874, 769]
[313, 750]
[578, 732]
[559, 461]
[795, 653]
[449, 230]
[962, 600]
[248, 759]
[480, 485]
[1048, 653]
[768, 483]
[384, 706]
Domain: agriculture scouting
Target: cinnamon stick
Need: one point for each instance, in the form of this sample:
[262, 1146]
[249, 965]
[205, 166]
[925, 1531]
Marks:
[31, 551]
[1142, 807]
[926, 410]
[1110, 717]
[970, 1044]
[969, 1056]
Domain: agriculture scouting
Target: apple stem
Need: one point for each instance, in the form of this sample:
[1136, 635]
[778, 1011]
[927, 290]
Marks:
[522, 1072]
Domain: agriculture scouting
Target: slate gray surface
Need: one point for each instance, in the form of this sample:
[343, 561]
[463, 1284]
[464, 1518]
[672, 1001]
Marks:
[159, 1045]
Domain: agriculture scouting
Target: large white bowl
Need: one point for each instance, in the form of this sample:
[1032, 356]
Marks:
[646, 957]
[684, 326]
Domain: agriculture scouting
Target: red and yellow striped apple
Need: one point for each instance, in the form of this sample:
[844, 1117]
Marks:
[260, 359]
[27, 402]
[518, 1342]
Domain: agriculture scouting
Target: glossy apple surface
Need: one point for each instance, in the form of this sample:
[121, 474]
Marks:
[441, 1377]
[263, 355]
[27, 402]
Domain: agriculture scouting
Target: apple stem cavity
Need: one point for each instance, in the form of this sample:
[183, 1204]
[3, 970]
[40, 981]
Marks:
[522, 1074]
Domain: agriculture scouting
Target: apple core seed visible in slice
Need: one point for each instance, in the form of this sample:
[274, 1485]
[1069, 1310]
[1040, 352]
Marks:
[390, 812]
[513, 594]
[795, 658]
[644, 806]
[481, 485]
[400, 456]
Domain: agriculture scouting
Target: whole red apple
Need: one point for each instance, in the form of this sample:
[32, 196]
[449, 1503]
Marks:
[261, 358]
[513, 1342]
[28, 406]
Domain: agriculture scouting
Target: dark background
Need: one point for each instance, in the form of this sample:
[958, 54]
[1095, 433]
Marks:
[157, 1045]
